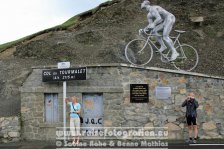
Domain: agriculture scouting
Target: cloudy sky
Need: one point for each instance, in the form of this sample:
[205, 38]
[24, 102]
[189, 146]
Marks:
[20, 18]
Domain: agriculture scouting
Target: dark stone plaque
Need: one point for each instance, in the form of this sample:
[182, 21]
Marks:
[139, 93]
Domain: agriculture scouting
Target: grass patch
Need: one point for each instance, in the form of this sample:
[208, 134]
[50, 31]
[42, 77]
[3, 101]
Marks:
[68, 23]
[10, 44]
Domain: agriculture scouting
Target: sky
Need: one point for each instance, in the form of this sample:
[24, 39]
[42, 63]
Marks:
[20, 18]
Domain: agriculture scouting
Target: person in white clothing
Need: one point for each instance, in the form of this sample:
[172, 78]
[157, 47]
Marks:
[75, 109]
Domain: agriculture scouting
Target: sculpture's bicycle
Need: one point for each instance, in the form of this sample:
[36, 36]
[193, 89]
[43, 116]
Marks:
[140, 52]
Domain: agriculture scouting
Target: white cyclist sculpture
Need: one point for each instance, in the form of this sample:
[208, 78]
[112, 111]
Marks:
[160, 20]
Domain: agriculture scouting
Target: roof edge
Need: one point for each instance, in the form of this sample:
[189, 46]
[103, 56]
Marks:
[137, 67]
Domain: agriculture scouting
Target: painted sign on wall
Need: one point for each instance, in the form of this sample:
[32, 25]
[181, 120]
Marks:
[92, 111]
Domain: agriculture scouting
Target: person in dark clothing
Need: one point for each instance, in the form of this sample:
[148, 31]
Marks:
[191, 115]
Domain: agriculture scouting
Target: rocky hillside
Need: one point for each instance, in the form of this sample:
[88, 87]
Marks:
[100, 35]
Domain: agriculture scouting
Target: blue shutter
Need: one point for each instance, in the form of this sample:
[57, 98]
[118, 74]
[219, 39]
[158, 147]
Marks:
[51, 107]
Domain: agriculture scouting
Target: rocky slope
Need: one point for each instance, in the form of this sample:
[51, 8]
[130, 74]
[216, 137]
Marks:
[102, 36]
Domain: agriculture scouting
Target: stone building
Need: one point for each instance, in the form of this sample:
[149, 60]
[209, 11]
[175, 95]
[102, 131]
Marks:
[107, 92]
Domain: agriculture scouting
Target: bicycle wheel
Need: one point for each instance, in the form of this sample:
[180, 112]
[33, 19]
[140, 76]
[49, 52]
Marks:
[138, 52]
[188, 58]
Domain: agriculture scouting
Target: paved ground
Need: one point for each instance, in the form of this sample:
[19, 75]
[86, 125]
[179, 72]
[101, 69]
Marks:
[202, 144]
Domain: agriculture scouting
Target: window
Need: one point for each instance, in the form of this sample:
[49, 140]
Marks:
[51, 107]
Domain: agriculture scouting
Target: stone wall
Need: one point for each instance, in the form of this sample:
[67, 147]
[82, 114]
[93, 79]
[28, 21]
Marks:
[10, 129]
[169, 113]
[114, 82]
[32, 100]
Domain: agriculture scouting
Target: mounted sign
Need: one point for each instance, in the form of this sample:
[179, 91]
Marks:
[139, 93]
[63, 65]
[163, 92]
[64, 74]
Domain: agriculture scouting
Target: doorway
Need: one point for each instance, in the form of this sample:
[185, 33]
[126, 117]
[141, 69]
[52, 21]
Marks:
[92, 105]
[51, 108]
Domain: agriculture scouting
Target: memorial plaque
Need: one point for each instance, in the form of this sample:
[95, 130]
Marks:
[163, 93]
[139, 93]
[64, 74]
